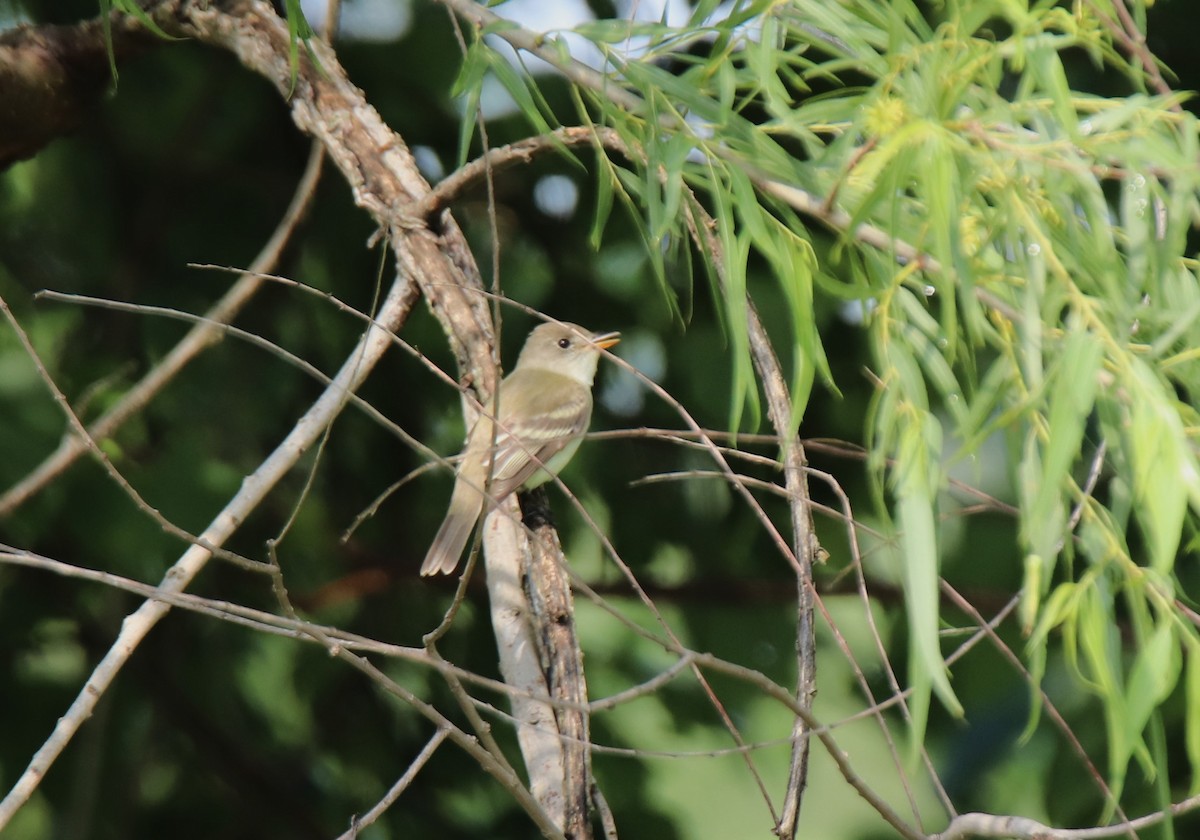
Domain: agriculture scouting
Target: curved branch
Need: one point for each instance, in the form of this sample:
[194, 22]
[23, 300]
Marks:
[965, 826]
[53, 76]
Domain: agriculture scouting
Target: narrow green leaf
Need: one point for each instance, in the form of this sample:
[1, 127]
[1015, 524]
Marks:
[130, 7]
[736, 250]
[745, 386]
[518, 86]
[673, 159]
[924, 335]
[1165, 468]
[796, 279]
[469, 83]
[604, 199]
[616, 31]
[1046, 67]
[1155, 673]
[1071, 399]
[1098, 640]
[106, 27]
[1137, 218]
[1061, 608]
[1192, 718]
[1045, 468]
[942, 195]
[914, 484]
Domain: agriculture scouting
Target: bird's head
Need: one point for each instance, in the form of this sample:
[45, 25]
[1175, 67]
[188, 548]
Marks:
[567, 349]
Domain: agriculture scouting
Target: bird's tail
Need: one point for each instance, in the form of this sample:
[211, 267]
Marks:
[451, 539]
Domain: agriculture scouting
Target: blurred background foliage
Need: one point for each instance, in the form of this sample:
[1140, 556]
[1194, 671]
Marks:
[1006, 140]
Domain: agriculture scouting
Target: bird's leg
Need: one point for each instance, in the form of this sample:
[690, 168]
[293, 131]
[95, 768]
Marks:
[535, 508]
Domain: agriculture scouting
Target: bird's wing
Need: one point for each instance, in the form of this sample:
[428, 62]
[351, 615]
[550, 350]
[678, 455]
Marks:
[545, 426]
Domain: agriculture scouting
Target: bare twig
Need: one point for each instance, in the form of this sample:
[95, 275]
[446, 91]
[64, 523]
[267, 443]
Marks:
[898, 697]
[1047, 704]
[77, 428]
[1133, 41]
[522, 39]
[497, 159]
[804, 544]
[359, 823]
[1085, 492]
[839, 757]
[965, 826]
[648, 687]
[499, 770]
[137, 625]
[260, 621]
[600, 804]
[257, 340]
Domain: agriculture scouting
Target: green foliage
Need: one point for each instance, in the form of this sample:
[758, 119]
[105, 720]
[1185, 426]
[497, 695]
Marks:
[998, 188]
[1052, 299]
[128, 7]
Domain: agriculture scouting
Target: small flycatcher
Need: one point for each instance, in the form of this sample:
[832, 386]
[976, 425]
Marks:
[545, 407]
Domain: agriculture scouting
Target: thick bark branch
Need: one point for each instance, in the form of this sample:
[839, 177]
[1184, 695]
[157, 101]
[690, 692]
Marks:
[51, 77]
[385, 181]
[552, 613]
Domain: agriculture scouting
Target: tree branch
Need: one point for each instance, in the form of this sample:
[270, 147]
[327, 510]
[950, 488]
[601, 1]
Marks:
[53, 76]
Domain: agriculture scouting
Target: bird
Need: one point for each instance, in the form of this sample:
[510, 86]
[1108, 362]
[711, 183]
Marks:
[545, 406]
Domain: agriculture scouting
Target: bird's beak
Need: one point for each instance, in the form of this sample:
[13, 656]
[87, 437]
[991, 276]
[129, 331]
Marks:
[606, 340]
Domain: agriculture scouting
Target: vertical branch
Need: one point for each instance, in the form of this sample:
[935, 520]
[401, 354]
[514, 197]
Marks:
[506, 549]
[552, 615]
[521, 568]
[434, 254]
[804, 544]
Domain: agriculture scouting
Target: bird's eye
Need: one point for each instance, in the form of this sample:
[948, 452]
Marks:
[564, 343]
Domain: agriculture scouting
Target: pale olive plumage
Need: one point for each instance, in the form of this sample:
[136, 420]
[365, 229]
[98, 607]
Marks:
[545, 407]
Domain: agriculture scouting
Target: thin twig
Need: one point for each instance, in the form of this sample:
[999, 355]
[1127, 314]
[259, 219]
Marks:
[499, 770]
[369, 818]
[137, 625]
[700, 226]
[523, 151]
[1134, 43]
[256, 340]
[840, 758]
[78, 429]
[643, 689]
[265, 622]
[876, 709]
[1047, 704]
[966, 826]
